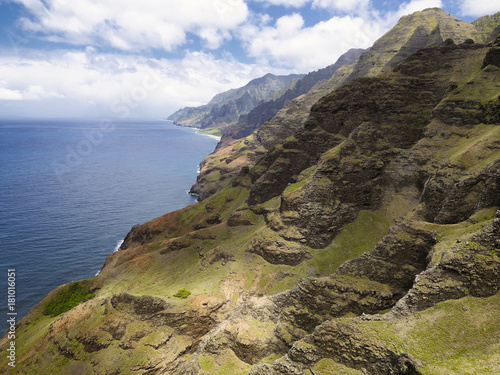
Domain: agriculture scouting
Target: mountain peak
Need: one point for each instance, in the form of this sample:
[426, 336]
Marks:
[415, 31]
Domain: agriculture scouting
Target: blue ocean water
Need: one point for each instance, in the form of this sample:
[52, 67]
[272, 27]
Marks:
[70, 190]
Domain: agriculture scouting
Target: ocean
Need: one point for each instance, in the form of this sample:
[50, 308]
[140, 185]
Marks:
[70, 190]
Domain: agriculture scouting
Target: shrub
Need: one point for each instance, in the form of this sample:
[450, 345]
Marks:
[182, 293]
[68, 297]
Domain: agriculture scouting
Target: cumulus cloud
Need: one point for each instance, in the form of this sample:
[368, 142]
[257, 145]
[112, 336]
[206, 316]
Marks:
[7, 94]
[342, 5]
[90, 81]
[77, 83]
[478, 8]
[26, 92]
[285, 3]
[290, 43]
[417, 5]
[131, 26]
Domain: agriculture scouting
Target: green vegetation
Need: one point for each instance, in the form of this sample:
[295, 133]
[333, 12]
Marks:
[477, 149]
[207, 363]
[464, 337]
[449, 234]
[329, 367]
[486, 25]
[238, 146]
[182, 293]
[211, 131]
[227, 364]
[68, 297]
[357, 237]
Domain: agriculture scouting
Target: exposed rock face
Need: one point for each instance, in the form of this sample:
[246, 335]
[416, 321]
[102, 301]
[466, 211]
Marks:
[137, 235]
[347, 344]
[470, 267]
[456, 275]
[493, 56]
[278, 252]
[141, 305]
[366, 125]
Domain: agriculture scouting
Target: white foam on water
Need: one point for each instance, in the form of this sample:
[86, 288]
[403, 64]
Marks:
[118, 244]
[117, 247]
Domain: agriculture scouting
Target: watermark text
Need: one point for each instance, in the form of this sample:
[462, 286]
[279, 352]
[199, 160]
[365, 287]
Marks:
[11, 316]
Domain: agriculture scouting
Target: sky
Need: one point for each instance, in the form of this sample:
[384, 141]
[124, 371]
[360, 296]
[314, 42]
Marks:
[149, 58]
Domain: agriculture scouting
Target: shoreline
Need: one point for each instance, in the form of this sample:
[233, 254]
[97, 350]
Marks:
[198, 130]
[208, 135]
[91, 269]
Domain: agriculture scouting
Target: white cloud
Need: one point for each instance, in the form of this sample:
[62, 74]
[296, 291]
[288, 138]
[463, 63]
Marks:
[285, 3]
[289, 43]
[7, 94]
[130, 25]
[29, 92]
[417, 5]
[478, 8]
[87, 83]
[342, 5]
[83, 82]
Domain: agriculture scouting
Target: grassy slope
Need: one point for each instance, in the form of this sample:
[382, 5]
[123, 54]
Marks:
[162, 275]
[453, 337]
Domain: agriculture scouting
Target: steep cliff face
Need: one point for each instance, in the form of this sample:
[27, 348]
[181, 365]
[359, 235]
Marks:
[488, 26]
[226, 107]
[354, 133]
[367, 242]
[412, 33]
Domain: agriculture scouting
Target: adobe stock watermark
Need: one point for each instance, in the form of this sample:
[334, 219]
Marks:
[11, 317]
[93, 138]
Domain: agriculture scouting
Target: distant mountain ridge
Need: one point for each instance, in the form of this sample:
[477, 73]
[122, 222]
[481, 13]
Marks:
[226, 107]
[246, 124]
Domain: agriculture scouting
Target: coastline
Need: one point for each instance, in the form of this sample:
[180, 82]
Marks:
[198, 130]
[208, 135]
[117, 222]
